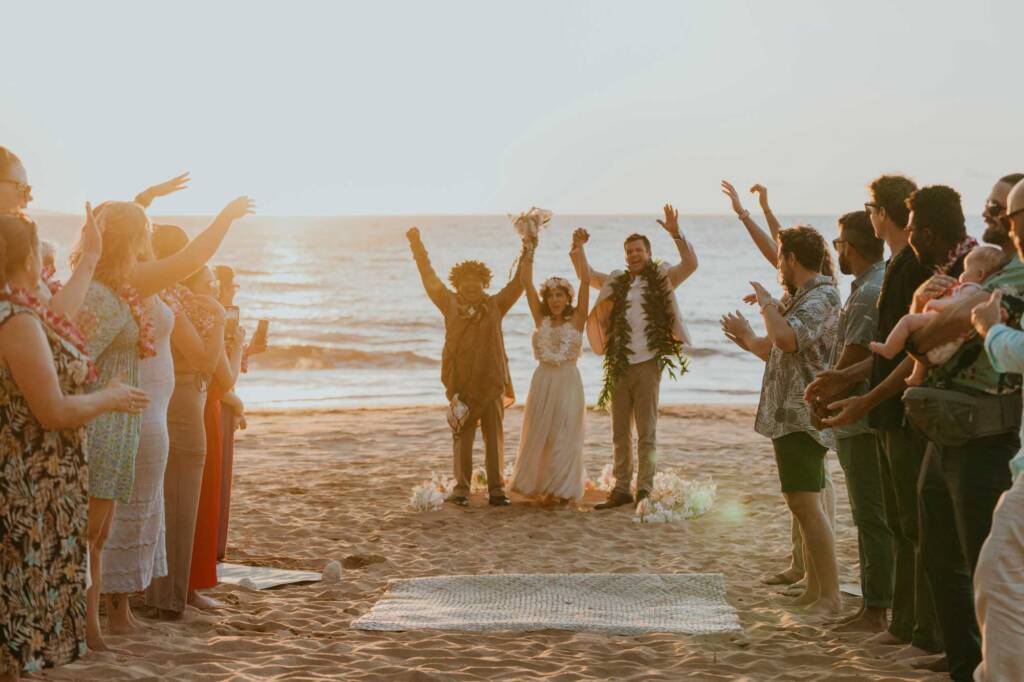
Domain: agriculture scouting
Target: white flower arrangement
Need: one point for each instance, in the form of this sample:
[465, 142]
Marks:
[676, 499]
[430, 495]
[530, 223]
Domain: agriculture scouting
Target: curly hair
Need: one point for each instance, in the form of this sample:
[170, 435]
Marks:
[18, 238]
[807, 244]
[890, 192]
[470, 268]
[937, 208]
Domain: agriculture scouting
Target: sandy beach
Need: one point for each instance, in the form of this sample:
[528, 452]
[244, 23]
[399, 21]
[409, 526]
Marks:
[314, 487]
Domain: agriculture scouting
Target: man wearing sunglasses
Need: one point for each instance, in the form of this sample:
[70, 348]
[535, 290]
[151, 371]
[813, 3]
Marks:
[997, 229]
[999, 576]
[15, 192]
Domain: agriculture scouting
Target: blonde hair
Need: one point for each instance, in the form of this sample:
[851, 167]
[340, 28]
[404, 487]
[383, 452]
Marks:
[126, 240]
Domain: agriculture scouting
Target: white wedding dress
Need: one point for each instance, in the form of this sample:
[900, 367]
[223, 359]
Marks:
[550, 458]
[136, 552]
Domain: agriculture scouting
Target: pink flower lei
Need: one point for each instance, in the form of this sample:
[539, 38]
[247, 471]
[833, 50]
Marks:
[64, 327]
[182, 301]
[147, 335]
[960, 251]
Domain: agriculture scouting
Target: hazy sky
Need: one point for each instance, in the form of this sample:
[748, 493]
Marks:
[465, 107]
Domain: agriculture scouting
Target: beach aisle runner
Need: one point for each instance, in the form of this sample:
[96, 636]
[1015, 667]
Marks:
[613, 603]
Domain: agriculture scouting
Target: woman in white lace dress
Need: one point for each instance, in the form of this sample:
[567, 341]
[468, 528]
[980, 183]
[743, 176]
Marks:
[549, 463]
[135, 551]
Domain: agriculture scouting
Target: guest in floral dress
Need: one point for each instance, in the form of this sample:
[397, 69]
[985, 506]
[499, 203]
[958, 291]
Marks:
[118, 335]
[43, 473]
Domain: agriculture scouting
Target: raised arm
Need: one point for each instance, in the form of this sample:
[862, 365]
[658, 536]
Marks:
[175, 184]
[579, 259]
[68, 301]
[687, 264]
[526, 275]
[441, 295]
[765, 242]
[26, 352]
[150, 277]
[596, 279]
[511, 292]
[773, 223]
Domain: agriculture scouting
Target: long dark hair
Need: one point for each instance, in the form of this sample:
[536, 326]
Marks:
[545, 310]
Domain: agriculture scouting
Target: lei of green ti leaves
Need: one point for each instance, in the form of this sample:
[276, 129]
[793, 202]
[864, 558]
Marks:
[659, 321]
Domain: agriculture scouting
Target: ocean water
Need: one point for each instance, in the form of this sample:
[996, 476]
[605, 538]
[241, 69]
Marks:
[350, 324]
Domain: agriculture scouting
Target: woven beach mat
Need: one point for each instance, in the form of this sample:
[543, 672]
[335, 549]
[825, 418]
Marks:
[613, 603]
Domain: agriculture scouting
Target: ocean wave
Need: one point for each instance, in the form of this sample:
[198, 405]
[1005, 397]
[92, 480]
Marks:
[319, 357]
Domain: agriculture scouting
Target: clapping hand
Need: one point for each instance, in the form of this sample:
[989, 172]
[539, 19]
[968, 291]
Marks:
[671, 221]
[91, 237]
[761, 295]
[986, 315]
[239, 208]
[737, 329]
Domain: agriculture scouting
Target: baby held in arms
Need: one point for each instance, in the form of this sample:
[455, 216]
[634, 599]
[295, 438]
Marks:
[983, 261]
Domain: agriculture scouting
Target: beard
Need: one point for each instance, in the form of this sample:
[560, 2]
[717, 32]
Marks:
[786, 280]
[996, 233]
[844, 266]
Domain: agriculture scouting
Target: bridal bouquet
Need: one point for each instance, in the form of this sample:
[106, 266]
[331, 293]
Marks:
[530, 223]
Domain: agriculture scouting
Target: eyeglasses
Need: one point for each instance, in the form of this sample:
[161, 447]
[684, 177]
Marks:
[870, 207]
[21, 188]
[994, 208]
[1017, 212]
[837, 242]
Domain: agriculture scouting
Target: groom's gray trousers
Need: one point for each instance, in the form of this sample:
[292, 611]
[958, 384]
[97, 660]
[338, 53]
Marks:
[635, 400]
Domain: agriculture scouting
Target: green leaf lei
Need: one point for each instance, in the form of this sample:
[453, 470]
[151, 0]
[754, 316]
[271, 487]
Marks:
[659, 321]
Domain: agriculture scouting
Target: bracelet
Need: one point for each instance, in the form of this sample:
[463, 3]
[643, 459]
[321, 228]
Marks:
[744, 215]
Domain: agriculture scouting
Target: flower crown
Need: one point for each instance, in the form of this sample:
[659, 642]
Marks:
[557, 283]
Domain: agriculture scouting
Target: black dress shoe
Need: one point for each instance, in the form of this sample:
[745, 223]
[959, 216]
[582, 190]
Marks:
[460, 500]
[616, 499]
[640, 496]
[499, 501]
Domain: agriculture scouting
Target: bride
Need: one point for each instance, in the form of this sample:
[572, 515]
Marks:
[549, 464]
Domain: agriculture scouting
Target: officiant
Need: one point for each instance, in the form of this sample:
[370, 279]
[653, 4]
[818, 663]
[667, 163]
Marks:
[474, 365]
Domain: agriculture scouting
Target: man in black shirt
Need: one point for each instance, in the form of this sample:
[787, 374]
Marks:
[913, 619]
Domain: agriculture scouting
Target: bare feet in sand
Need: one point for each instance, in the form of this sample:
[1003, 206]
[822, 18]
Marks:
[870, 619]
[825, 607]
[909, 653]
[886, 639]
[120, 620]
[787, 577]
[935, 663]
[203, 603]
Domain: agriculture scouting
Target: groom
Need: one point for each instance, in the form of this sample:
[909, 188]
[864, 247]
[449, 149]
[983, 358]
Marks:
[474, 367]
[637, 326]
